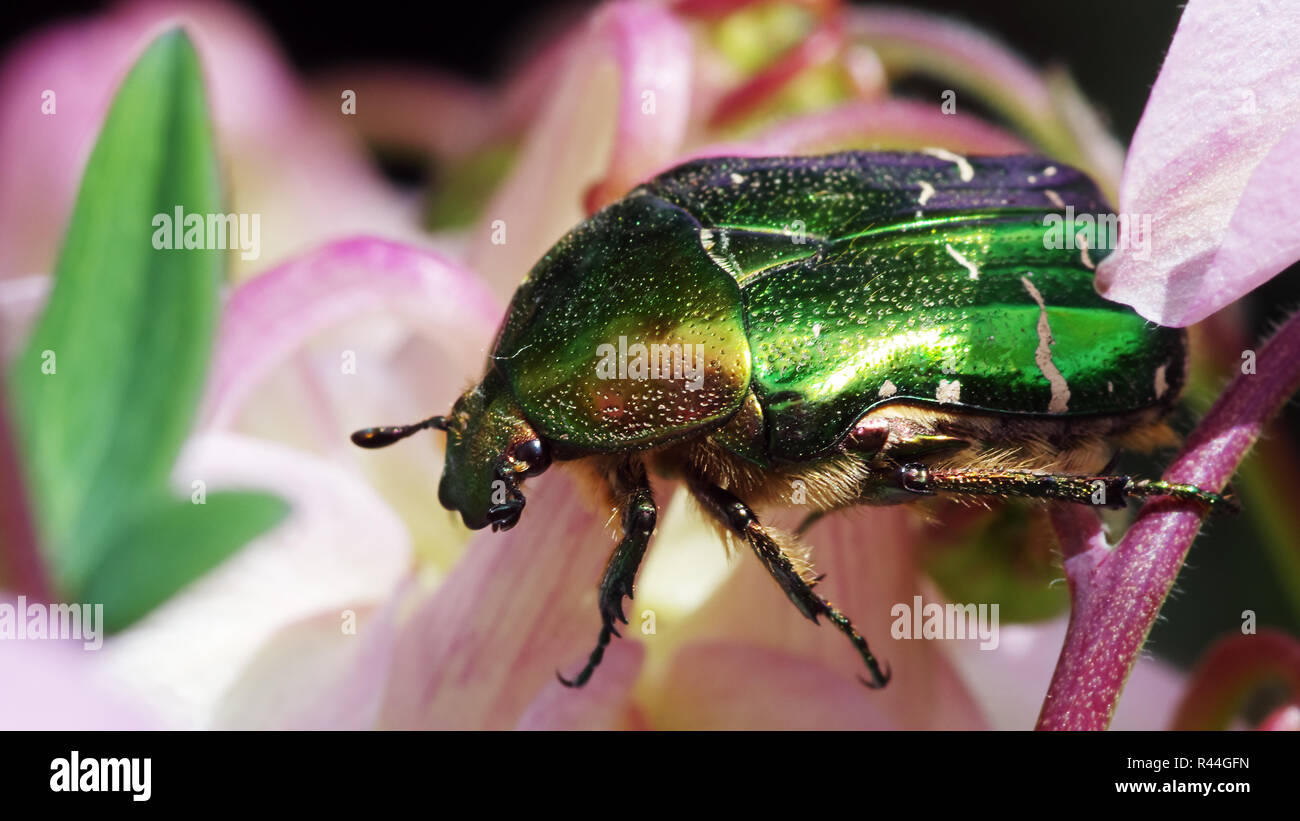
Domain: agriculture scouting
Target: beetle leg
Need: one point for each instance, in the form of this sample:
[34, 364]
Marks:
[1111, 491]
[632, 487]
[736, 515]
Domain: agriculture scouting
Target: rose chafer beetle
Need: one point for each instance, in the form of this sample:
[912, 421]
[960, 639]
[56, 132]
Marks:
[881, 327]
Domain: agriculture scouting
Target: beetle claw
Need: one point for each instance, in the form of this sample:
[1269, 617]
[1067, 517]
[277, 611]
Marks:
[881, 678]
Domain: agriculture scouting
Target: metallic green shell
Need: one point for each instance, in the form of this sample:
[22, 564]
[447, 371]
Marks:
[831, 285]
[920, 278]
[635, 274]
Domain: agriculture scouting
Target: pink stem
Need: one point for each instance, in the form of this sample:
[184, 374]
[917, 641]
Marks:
[1117, 595]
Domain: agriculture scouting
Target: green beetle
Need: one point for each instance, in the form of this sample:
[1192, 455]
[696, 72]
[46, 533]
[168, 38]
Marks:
[872, 328]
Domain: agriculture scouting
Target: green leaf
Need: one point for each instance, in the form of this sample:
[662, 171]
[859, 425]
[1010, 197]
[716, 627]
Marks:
[106, 388]
[171, 545]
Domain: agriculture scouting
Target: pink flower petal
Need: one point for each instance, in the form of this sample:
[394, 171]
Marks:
[945, 46]
[710, 687]
[869, 567]
[619, 111]
[1044, 106]
[482, 651]
[1212, 162]
[875, 124]
[604, 703]
[50, 685]
[269, 318]
[340, 548]
[443, 115]
[325, 672]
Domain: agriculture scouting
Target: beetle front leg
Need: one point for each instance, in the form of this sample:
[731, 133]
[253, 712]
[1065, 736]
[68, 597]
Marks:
[631, 487]
[736, 515]
[1111, 491]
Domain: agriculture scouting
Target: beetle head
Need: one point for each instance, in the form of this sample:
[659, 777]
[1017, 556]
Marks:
[491, 448]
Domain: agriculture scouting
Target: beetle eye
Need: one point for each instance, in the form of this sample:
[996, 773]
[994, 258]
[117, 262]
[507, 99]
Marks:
[535, 454]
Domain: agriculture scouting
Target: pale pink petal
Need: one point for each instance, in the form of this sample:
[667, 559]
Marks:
[443, 115]
[294, 168]
[1212, 163]
[49, 685]
[406, 107]
[710, 687]
[1043, 106]
[324, 672]
[605, 702]
[482, 650]
[873, 124]
[869, 567]
[357, 333]
[618, 111]
[269, 318]
[946, 47]
[340, 548]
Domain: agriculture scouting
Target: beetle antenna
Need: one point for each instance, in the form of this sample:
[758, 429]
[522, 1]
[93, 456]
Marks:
[383, 437]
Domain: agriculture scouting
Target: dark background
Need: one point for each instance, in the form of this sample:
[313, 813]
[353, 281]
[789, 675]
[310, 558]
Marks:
[1113, 49]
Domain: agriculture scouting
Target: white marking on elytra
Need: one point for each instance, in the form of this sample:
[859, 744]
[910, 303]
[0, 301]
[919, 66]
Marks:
[715, 244]
[948, 391]
[1033, 178]
[927, 191]
[1049, 171]
[1162, 384]
[1081, 239]
[1060, 401]
[1054, 197]
[964, 168]
[963, 261]
[888, 389]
